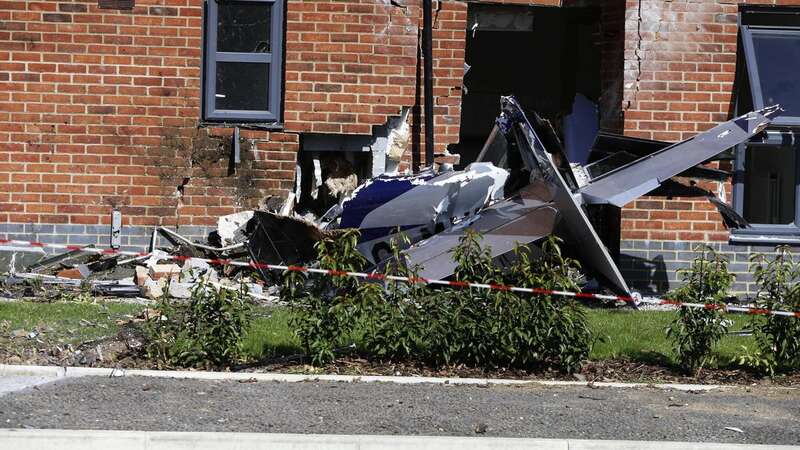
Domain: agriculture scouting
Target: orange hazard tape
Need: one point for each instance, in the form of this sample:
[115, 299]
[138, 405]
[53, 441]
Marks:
[417, 280]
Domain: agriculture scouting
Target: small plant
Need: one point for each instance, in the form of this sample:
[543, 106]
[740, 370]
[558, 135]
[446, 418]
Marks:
[161, 330]
[778, 281]
[696, 331]
[458, 330]
[756, 361]
[206, 332]
[323, 306]
[495, 328]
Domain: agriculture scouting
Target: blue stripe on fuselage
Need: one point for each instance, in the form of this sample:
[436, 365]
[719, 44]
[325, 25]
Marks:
[380, 191]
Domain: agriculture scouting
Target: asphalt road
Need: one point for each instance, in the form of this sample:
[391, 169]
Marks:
[766, 415]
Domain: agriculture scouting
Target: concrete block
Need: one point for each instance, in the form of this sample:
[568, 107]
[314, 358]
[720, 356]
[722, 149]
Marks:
[154, 289]
[180, 290]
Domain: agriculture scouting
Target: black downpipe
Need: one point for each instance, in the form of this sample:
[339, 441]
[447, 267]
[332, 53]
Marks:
[427, 54]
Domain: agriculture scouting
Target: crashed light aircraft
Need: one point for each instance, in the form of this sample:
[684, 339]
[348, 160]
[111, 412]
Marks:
[521, 189]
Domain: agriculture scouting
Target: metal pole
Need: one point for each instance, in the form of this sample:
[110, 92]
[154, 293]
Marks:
[427, 54]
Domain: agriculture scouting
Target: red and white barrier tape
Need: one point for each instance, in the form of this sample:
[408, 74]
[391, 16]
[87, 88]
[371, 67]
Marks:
[412, 280]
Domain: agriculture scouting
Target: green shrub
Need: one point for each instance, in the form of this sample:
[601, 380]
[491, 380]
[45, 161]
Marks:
[409, 322]
[323, 306]
[457, 328]
[550, 330]
[206, 332]
[392, 315]
[480, 327]
[696, 331]
[778, 281]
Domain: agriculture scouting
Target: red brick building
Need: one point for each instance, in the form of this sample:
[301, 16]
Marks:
[131, 105]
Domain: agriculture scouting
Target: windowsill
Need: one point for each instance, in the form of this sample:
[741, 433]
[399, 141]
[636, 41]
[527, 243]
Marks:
[780, 234]
[265, 126]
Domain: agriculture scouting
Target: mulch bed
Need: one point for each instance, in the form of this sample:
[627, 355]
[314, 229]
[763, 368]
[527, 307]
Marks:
[126, 351]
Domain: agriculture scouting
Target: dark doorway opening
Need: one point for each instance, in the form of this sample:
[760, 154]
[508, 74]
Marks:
[543, 56]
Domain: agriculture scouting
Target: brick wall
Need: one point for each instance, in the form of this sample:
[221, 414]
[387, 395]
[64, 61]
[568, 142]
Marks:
[350, 65]
[99, 109]
[680, 61]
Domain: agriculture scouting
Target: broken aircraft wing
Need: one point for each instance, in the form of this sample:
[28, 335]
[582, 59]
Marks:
[528, 215]
[624, 184]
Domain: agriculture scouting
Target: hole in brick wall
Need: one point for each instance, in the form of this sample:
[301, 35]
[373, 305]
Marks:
[327, 176]
[116, 4]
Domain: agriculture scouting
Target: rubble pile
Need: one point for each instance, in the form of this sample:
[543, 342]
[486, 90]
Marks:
[174, 269]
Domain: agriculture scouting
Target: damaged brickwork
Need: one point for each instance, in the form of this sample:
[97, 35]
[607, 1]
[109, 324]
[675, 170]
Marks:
[680, 64]
[100, 108]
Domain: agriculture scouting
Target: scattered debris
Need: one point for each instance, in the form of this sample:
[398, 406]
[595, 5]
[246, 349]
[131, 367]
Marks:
[230, 228]
[76, 273]
[18, 334]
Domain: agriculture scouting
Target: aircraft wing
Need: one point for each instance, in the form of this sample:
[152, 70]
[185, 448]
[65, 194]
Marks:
[624, 184]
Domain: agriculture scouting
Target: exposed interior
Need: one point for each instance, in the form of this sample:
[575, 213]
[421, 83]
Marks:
[543, 56]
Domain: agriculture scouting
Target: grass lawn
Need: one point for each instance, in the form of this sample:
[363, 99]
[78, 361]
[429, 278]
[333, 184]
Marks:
[621, 334]
[641, 336]
[67, 323]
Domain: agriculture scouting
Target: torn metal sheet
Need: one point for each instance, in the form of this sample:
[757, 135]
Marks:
[574, 227]
[520, 220]
[231, 227]
[532, 153]
[611, 151]
[275, 239]
[56, 259]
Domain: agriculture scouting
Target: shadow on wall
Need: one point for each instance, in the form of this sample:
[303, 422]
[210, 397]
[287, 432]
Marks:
[646, 276]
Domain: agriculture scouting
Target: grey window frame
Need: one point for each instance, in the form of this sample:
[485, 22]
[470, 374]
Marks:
[761, 231]
[783, 132]
[751, 64]
[274, 59]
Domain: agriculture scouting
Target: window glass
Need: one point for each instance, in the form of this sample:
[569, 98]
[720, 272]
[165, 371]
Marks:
[495, 150]
[769, 185]
[244, 27]
[778, 64]
[242, 86]
[609, 163]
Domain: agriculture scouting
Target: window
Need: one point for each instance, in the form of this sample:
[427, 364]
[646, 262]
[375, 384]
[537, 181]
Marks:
[773, 62]
[767, 181]
[243, 49]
